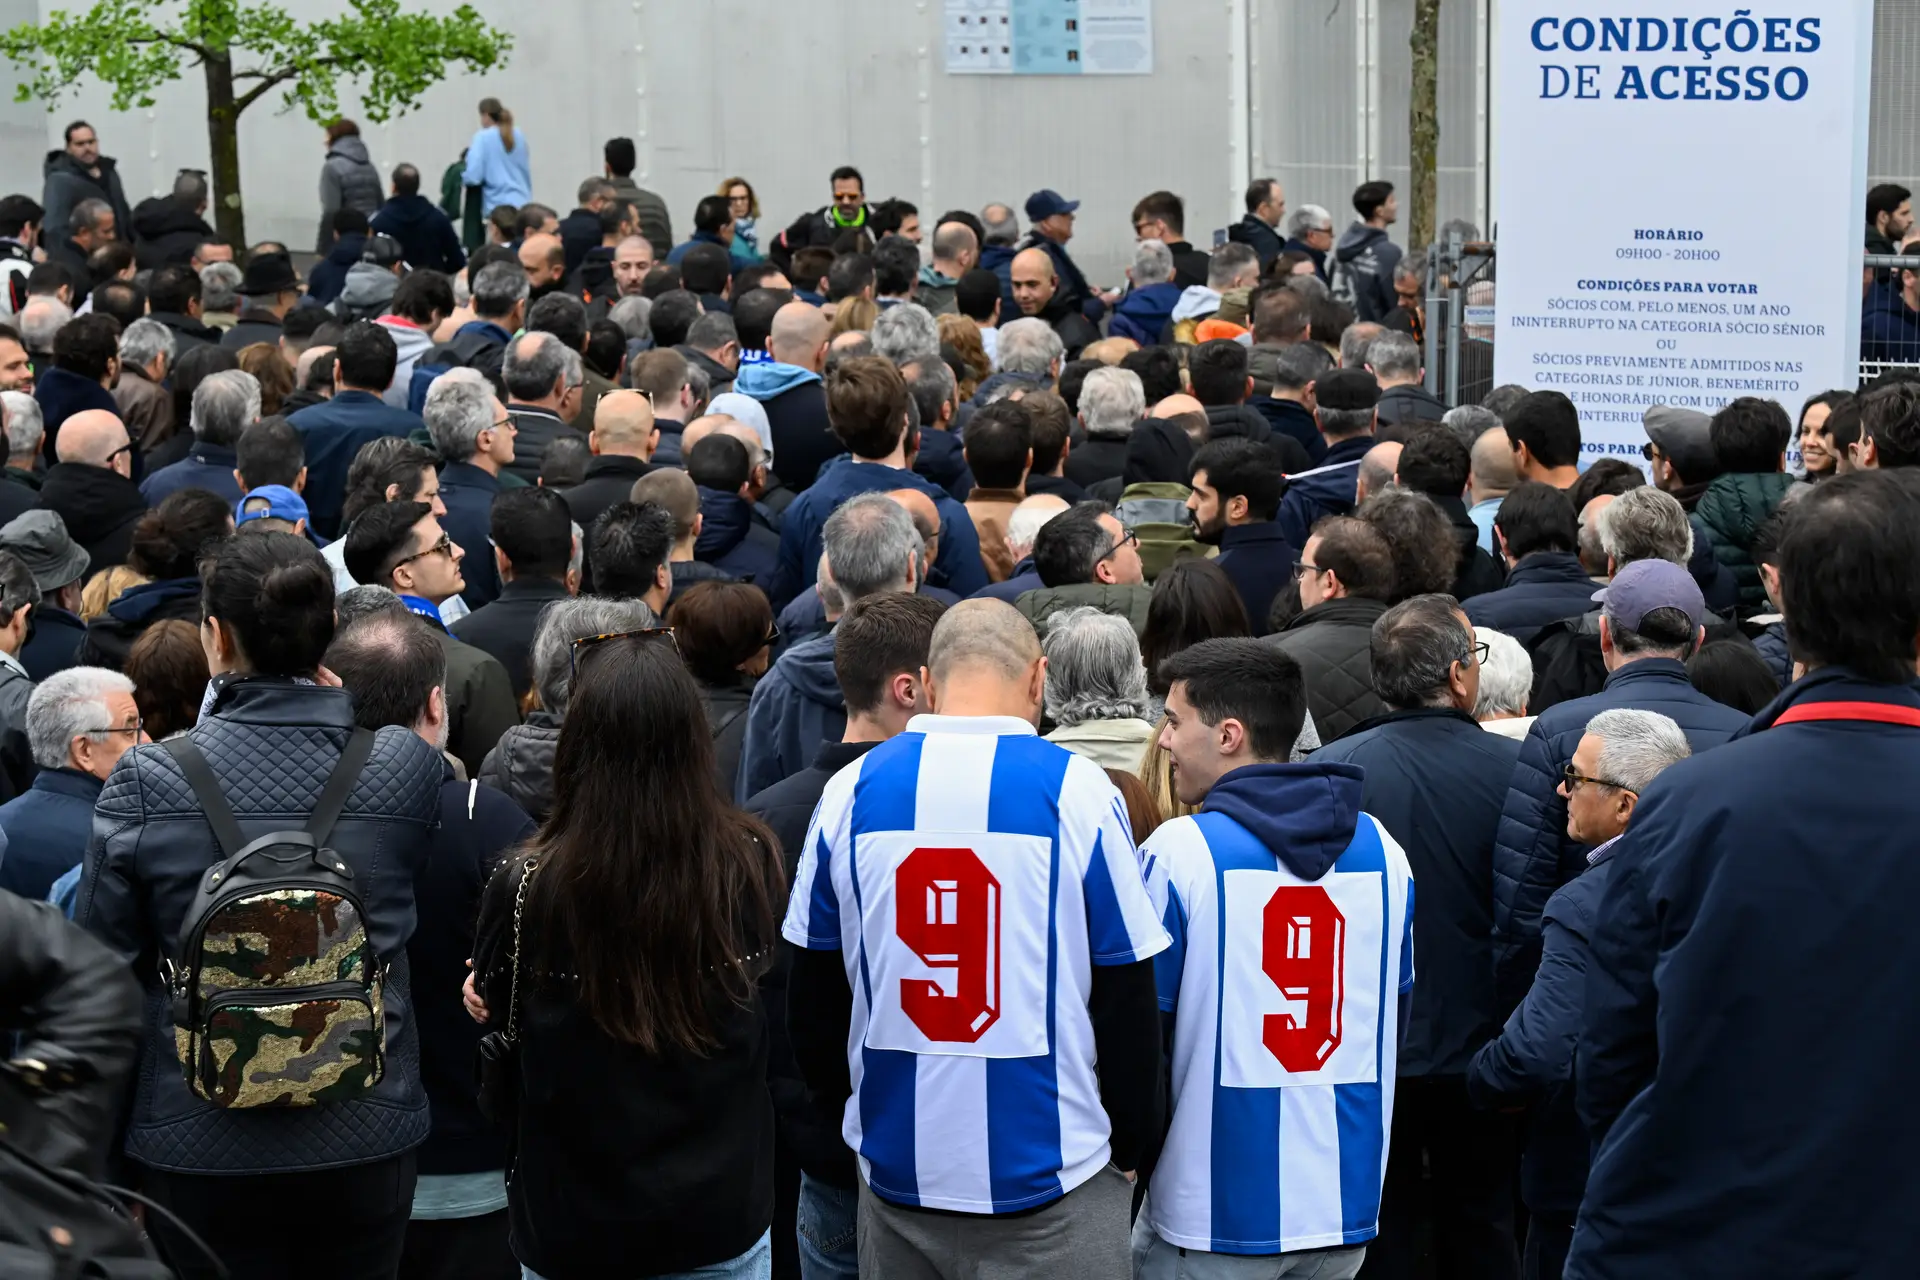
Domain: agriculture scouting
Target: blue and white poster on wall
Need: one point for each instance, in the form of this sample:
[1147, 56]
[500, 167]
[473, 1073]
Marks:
[1642, 165]
[1049, 37]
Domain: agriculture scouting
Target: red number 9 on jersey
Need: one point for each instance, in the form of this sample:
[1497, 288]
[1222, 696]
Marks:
[947, 910]
[1303, 953]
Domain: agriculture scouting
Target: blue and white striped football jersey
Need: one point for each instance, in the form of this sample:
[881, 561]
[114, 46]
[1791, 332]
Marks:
[971, 873]
[1285, 997]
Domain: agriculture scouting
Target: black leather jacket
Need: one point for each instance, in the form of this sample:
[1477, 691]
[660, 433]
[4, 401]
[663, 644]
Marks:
[79, 1014]
[272, 744]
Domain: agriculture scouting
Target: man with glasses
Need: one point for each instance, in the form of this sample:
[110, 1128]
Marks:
[1085, 556]
[475, 436]
[78, 724]
[401, 546]
[1650, 623]
[1345, 578]
[1620, 753]
[91, 486]
[1437, 782]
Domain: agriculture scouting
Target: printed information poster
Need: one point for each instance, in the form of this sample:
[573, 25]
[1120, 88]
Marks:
[1643, 165]
[1049, 37]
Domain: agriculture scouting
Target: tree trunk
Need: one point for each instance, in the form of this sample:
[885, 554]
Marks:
[1424, 125]
[223, 137]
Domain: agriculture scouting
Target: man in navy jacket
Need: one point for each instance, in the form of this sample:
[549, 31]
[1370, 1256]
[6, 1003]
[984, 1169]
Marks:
[1346, 399]
[1435, 779]
[1651, 621]
[334, 430]
[1620, 753]
[1538, 535]
[1236, 491]
[867, 405]
[1751, 1009]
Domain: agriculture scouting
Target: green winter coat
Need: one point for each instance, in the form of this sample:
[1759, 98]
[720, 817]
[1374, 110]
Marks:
[1733, 508]
[1129, 602]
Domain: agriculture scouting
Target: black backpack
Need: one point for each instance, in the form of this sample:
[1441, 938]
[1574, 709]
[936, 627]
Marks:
[276, 988]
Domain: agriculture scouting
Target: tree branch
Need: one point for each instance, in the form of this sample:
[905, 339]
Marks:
[268, 79]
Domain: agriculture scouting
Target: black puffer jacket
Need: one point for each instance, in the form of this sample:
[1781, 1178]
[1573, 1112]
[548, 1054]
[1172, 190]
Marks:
[522, 763]
[1332, 642]
[272, 744]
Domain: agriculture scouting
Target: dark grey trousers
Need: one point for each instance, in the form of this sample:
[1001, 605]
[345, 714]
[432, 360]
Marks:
[1083, 1236]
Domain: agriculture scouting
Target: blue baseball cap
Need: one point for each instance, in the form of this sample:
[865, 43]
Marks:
[1646, 585]
[1046, 202]
[274, 500]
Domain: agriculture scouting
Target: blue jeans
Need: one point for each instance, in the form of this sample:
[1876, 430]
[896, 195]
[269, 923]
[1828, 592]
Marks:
[755, 1264]
[827, 1226]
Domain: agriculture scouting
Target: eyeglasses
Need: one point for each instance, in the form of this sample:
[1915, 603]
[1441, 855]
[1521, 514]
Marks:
[136, 728]
[442, 547]
[1481, 652]
[585, 644]
[505, 424]
[1302, 569]
[1125, 538]
[1574, 779]
[125, 448]
[1648, 451]
[773, 636]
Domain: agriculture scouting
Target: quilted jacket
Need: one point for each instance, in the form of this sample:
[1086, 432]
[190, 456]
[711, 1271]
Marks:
[1534, 855]
[522, 764]
[1332, 643]
[272, 744]
[1733, 508]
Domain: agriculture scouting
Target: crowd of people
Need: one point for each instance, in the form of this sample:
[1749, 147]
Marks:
[852, 752]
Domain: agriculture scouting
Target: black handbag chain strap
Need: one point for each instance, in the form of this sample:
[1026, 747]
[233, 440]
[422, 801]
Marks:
[513, 977]
[226, 828]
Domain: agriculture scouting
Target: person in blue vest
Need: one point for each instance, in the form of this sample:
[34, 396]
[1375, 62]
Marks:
[1749, 1002]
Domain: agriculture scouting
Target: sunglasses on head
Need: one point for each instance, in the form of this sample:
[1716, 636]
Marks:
[588, 644]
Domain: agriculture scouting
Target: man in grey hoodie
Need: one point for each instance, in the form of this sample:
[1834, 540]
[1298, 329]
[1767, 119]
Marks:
[1365, 259]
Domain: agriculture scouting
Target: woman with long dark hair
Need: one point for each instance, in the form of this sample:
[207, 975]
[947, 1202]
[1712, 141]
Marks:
[646, 912]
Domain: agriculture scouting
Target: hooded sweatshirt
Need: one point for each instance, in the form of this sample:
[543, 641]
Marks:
[164, 230]
[427, 236]
[796, 706]
[368, 293]
[1368, 258]
[413, 342]
[111, 636]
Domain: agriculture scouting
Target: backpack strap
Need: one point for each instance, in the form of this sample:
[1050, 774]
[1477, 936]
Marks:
[347, 772]
[206, 789]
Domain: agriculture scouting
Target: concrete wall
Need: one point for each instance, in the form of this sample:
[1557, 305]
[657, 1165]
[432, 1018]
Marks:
[783, 92]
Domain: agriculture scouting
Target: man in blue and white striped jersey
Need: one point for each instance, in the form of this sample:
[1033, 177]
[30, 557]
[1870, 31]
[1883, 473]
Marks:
[1291, 913]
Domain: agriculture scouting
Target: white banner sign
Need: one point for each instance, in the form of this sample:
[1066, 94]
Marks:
[1680, 204]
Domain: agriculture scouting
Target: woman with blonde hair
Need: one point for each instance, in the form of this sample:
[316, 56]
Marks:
[963, 335]
[745, 207]
[854, 315]
[497, 159]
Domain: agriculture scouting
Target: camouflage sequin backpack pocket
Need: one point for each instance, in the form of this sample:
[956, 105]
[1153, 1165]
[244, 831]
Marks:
[276, 989]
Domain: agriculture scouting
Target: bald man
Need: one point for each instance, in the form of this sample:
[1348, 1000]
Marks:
[1490, 481]
[544, 258]
[91, 489]
[1036, 291]
[1032, 840]
[675, 492]
[622, 443]
[789, 388]
[1377, 468]
[1023, 526]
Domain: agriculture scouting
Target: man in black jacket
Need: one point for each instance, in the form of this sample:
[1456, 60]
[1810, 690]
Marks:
[1162, 216]
[169, 228]
[1036, 290]
[173, 299]
[397, 675]
[879, 648]
[1435, 463]
[1218, 373]
[426, 235]
[822, 227]
[622, 441]
[1266, 205]
[539, 562]
[1437, 782]
[1236, 491]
